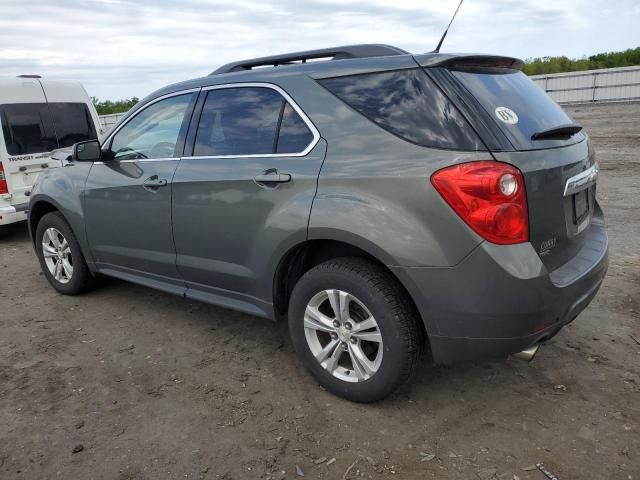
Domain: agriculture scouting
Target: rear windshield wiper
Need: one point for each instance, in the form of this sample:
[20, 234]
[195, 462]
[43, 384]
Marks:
[560, 131]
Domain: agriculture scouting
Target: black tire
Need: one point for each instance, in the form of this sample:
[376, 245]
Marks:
[81, 279]
[398, 322]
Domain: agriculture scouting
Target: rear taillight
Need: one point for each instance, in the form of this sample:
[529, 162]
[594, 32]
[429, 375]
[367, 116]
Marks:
[3, 181]
[489, 196]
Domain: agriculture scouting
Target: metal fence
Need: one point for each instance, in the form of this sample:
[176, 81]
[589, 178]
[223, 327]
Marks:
[110, 120]
[590, 86]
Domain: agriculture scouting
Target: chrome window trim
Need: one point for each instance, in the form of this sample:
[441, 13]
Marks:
[287, 97]
[582, 180]
[280, 90]
[139, 160]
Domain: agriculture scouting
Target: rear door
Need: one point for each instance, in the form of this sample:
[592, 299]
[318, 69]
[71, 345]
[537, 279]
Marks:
[550, 158]
[28, 136]
[243, 193]
[127, 200]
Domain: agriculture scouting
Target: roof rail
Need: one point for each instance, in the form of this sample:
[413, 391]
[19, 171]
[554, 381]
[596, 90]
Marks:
[336, 53]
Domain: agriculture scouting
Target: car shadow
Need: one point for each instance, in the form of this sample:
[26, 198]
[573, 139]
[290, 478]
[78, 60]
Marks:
[14, 232]
[433, 386]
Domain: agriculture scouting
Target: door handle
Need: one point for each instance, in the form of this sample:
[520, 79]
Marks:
[272, 176]
[153, 183]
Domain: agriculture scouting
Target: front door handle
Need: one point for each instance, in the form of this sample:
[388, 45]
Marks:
[153, 183]
[271, 177]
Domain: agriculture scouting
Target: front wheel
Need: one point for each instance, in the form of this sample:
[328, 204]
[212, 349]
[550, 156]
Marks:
[60, 256]
[355, 329]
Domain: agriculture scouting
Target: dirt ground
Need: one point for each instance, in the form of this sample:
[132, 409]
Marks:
[151, 386]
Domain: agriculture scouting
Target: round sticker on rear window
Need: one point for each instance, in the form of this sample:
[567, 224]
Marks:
[506, 115]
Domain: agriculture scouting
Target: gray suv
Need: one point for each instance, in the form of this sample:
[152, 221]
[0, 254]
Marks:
[380, 201]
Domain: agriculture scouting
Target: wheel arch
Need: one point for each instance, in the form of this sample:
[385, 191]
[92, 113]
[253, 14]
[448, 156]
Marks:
[38, 209]
[41, 205]
[305, 255]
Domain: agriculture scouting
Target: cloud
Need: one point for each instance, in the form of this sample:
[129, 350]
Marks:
[120, 48]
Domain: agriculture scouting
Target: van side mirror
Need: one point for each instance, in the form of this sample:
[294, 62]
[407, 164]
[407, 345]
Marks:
[88, 151]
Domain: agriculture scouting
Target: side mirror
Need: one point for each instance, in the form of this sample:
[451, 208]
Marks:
[88, 151]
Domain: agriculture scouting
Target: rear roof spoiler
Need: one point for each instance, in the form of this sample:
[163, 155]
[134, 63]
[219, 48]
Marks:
[469, 61]
[335, 53]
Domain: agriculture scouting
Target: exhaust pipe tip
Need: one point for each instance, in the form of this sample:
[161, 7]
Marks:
[528, 354]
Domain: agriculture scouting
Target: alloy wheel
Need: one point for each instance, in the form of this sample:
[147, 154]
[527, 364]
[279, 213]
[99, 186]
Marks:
[57, 255]
[343, 335]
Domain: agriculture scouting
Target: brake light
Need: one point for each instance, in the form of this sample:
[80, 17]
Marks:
[489, 196]
[3, 181]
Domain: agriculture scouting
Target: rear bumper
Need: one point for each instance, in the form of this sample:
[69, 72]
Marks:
[13, 213]
[501, 299]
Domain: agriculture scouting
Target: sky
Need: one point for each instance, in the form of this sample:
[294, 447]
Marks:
[121, 48]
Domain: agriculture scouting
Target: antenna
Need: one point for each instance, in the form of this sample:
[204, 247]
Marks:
[437, 50]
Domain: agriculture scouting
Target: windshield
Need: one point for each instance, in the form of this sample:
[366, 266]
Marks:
[519, 107]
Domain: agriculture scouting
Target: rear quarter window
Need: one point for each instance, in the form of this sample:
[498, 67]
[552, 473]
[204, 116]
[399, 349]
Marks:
[504, 92]
[408, 104]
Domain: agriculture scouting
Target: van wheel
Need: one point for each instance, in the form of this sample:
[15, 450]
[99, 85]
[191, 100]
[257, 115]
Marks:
[355, 329]
[60, 256]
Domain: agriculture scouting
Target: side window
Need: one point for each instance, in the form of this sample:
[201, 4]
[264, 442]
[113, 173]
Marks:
[238, 121]
[27, 128]
[73, 123]
[408, 104]
[294, 135]
[249, 121]
[154, 132]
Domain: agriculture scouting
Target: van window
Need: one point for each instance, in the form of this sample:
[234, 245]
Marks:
[408, 104]
[27, 128]
[73, 123]
[246, 121]
[154, 132]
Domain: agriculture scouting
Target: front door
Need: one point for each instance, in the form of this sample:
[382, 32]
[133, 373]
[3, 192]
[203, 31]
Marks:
[244, 194]
[128, 195]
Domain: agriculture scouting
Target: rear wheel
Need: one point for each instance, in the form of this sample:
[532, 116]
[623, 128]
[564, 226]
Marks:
[355, 328]
[60, 256]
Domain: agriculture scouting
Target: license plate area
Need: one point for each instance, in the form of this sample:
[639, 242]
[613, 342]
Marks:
[580, 201]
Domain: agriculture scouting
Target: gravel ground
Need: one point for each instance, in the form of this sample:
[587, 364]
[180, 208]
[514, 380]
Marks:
[131, 383]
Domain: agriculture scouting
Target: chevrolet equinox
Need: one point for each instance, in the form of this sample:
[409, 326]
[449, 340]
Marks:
[382, 202]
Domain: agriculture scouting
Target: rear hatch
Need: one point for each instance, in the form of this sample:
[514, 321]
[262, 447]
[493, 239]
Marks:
[37, 117]
[29, 139]
[530, 131]
[27, 136]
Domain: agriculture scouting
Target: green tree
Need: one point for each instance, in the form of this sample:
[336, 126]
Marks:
[538, 66]
[107, 106]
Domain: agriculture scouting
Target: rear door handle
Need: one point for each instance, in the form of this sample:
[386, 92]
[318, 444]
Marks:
[153, 183]
[272, 177]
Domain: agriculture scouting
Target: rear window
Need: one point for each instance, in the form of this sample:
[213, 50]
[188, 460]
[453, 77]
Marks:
[27, 128]
[30, 128]
[72, 122]
[408, 104]
[518, 106]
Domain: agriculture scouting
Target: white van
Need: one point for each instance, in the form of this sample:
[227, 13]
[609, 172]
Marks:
[37, 117]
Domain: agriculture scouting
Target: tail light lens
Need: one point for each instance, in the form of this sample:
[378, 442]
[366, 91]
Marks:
[3, 181]
[489, 196]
